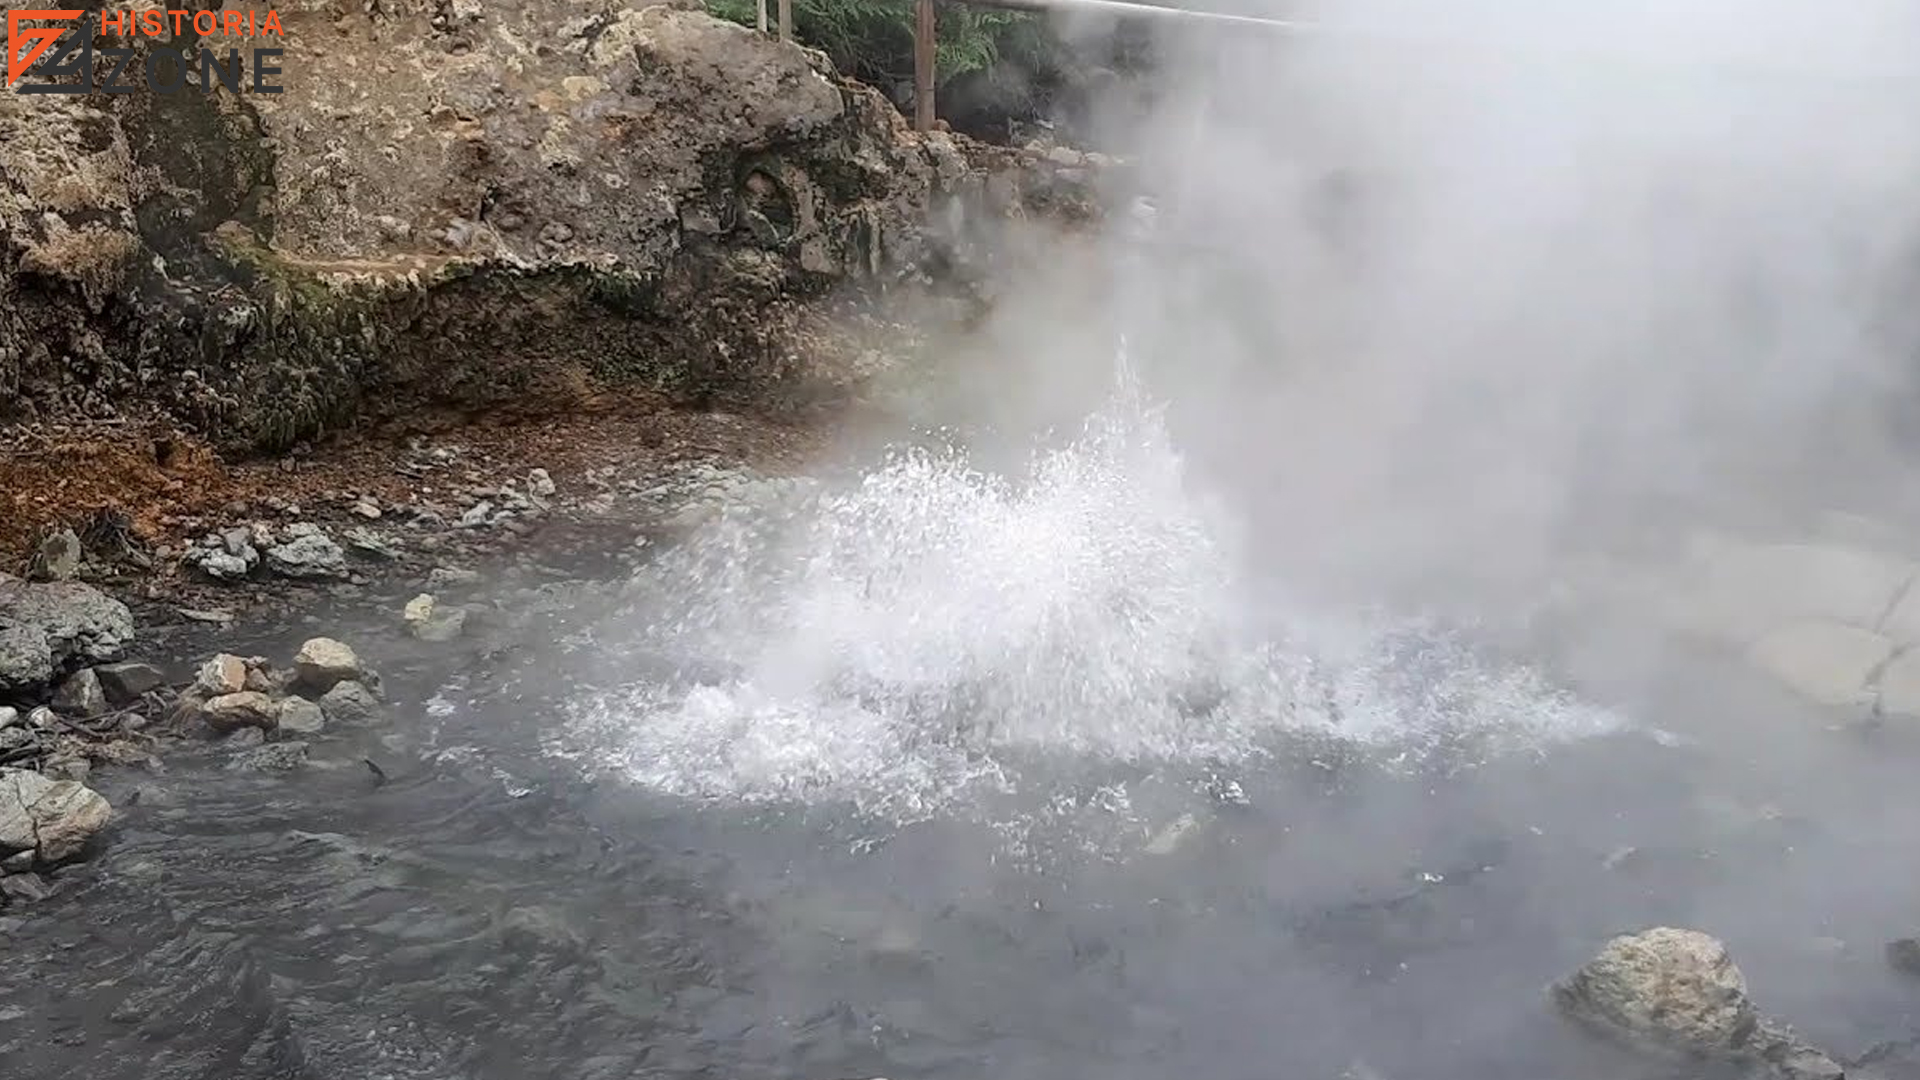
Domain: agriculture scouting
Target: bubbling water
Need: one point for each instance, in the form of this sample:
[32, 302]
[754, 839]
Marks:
[916, 642]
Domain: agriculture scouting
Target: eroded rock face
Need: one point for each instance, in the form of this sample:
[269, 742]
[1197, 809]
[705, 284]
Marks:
[458, 204]
[1678, 991]
[49, 628]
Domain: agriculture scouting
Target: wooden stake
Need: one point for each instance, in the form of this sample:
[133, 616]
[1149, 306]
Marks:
[923, 57]
[763, 16]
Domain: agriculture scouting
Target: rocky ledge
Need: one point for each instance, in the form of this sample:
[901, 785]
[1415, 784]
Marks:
[471, 205]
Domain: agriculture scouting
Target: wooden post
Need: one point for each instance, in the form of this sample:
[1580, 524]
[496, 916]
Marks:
[763, 16]
[923, 56]
[786, 20]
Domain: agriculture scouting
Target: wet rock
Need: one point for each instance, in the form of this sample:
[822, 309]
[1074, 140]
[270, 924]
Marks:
[9, 716]
[1904, 955]
[224, 674]
[311, 556]
[18, 863]
[1678, 991]
[322, 662]
[28, 888]
[126, 683]
[52, 818]
[301, 717]
[272, 757]
[81, 695]
[349, 703]
[1827, 663]
[445, 576]
[262, 678]
[246, 708]
[244, 738]
[428, 621]
[69, 767]
[57, 559]
[540, 485]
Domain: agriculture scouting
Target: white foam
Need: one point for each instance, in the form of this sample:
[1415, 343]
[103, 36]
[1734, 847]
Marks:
[904, 645]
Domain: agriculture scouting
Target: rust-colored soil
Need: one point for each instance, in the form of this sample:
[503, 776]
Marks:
[168, 487]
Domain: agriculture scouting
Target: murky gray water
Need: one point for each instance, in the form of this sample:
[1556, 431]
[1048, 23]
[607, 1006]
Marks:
[1033, 811]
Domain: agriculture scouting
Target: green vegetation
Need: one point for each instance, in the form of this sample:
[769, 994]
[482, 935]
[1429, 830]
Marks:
[873, 39]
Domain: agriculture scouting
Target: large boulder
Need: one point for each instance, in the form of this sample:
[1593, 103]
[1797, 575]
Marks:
[54, 819]
[48, 628]
[1679, 992]
[462, 204]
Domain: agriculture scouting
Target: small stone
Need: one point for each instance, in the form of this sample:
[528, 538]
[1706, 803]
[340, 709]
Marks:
[58, 558]
[126, 683]
[349, 703]
[418, 610]
[443, 576]
[1904, 955]
[81, 695]
[224, 674]
[25, 887]
[367, 510]
[301, 717]
[246, 708]
[67, 768]
[308, 557]
[540, 484]
[9, 716]
[441, 628]
[272, 757]
[322, 662]
[477, 515]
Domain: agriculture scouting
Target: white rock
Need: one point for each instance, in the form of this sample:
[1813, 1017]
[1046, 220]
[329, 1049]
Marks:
[322, 662]
[1824, 662]
[540, 484]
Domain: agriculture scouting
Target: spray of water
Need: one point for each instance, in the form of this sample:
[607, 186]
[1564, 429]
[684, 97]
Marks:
[934, 634]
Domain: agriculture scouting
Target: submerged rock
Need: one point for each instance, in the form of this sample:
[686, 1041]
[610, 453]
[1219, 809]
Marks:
[300, 716]
[273, 757]
[1678, 991]
[52, 818]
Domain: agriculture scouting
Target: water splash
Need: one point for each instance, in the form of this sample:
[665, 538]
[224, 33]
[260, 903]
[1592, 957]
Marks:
[918, 641]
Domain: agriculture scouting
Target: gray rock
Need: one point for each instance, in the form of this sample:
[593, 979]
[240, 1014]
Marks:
[224, 674]
[443, 576]
[14, 738]
[349, 703]
[67, 768]
[244, 738]
[52, 818]
[272, 757]
[25, 887]
[222, 562]
[41, 718]
[126, 682]
[246, 708]
[1678, 991]
[301, 717]
[1904, 955]
[446, 625]
[9, 716]
[322, 662]
[367, 543]
[308, 557]
[81, 695]
[540, 484]
[477, 515]
[26, 660]
[80, 623]
[18, 863]
[58, 557]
